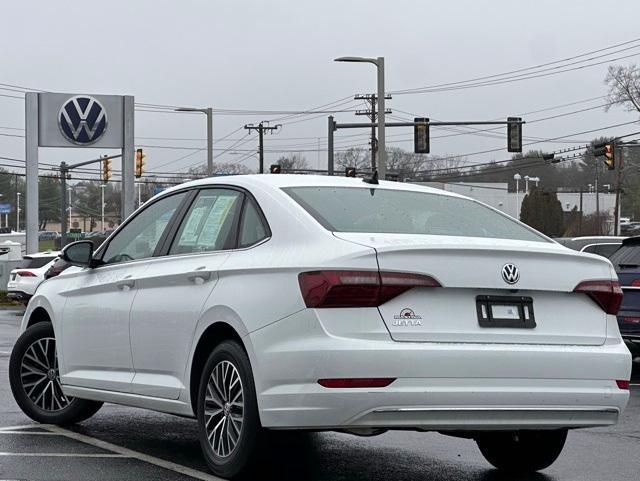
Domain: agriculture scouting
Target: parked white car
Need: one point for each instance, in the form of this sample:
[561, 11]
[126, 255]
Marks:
[323, 303]
[24, 280]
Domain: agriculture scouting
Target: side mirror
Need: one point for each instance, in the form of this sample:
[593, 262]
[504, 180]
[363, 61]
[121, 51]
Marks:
[79, 253]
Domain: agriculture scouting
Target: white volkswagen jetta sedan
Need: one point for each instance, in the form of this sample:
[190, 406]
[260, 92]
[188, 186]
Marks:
[319, 303]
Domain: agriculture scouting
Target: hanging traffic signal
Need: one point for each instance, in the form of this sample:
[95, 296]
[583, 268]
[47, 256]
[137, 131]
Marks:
[106, 170]
[606, 150]
[139, 162]
[609, 157]
[421, 136]
[275, 169]
[350, 172]
[514, 134]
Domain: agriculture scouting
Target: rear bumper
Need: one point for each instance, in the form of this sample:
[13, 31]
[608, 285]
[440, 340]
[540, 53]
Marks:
[438, 386]
[19, 295]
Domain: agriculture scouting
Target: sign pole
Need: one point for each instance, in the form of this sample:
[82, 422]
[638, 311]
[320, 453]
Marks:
[128, 159]
[31, 157]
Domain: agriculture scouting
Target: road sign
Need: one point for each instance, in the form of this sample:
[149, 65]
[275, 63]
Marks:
[6, 208]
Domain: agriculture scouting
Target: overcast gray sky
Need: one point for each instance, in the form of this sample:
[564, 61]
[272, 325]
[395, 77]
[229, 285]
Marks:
[277, 55]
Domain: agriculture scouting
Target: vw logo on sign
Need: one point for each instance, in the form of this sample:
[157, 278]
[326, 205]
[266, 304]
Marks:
[510, 273]
[82, 120]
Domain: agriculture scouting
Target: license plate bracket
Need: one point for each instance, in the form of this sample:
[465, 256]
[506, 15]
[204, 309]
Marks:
[505, 311]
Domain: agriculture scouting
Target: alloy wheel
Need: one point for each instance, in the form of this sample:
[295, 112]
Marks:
[40, 376]
[224, 408]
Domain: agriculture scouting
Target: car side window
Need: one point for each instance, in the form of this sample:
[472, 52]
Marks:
[252, 228]
[139, 238]
[209, 223]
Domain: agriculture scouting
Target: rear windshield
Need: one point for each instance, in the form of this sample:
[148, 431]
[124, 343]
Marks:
[352, 209]
[35, 262]
[626, 256]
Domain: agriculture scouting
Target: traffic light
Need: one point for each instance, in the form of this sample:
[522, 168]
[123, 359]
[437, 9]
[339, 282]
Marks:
[514, 134]
[610, 157]
[421, 136]
[350, 172]
[139, 162]
[106, 170]
[608, 150]
[275, 169]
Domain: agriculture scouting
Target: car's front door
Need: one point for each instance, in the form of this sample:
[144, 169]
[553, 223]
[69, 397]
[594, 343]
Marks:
[174, 289]
[95, 339]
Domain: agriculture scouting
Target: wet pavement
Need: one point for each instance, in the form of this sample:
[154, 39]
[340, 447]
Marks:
[122, 443]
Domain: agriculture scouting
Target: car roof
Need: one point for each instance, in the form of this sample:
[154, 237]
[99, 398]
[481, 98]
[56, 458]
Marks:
[278, 181]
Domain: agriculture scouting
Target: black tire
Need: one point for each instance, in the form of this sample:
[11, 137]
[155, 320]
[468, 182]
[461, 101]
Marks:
[27, 379]
[237, 460]
[522, 452]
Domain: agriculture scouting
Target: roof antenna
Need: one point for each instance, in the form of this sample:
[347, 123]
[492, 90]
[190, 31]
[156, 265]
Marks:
[373, 179]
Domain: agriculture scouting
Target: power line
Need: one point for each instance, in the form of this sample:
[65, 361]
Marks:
[524, 69]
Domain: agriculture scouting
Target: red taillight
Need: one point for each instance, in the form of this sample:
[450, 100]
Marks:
[606, 293]
[359, 382]
[635, 283]
[622, 384]
[25, 274]
[357, 288]
[631, 320]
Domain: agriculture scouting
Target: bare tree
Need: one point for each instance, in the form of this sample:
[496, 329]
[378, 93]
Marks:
[624, 87]
[223, 168]
[292, 162]
[354, 157]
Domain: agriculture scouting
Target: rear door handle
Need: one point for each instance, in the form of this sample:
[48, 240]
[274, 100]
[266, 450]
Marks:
[126, 284]
[200, 275]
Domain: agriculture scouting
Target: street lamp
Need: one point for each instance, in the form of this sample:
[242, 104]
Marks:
[517, 178]
[379, 63]
[209, 113]
[18, 194]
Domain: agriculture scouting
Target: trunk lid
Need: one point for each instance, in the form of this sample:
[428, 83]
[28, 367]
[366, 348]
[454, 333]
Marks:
[471, 267]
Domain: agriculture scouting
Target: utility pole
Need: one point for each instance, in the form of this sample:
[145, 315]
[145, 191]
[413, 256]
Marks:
[597, 200]
[616, 215]
[260, 128]
[371, 112]
[580, 222]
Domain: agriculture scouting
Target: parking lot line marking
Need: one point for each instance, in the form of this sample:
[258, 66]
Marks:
[30, 433]
[67, 455]
[177, 468]
[24, 426]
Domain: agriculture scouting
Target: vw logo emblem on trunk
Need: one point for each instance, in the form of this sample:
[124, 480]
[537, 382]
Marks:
[510, 273]
[82, 120]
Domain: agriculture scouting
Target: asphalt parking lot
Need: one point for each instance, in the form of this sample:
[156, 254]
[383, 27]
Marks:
[122, 443]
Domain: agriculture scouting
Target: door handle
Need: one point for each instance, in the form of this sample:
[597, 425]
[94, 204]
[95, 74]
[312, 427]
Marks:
[200, 275]
[126, 284]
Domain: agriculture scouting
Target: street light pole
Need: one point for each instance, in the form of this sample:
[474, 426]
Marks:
[209, 113]
[102, 187]
[18, 194]
[517, 178]
[382, 154]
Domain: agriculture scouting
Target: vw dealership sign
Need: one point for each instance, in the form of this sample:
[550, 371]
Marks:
[77, 121]
[69, 120]
[82, 120]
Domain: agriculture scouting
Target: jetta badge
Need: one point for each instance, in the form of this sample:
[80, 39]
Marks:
[82, 120]
[510, 273]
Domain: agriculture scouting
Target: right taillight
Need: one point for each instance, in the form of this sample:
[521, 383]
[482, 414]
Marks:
[346, 288]
[606, 293]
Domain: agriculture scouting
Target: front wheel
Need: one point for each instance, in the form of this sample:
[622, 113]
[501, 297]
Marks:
[522, 451]
[228, 421]
[35, 380]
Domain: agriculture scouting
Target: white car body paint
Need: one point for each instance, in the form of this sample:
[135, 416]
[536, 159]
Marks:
[133, 342]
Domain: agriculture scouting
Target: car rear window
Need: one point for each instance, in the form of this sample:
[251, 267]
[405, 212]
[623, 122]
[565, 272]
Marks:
[626, 256]
[371, 210]
[35, 262]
